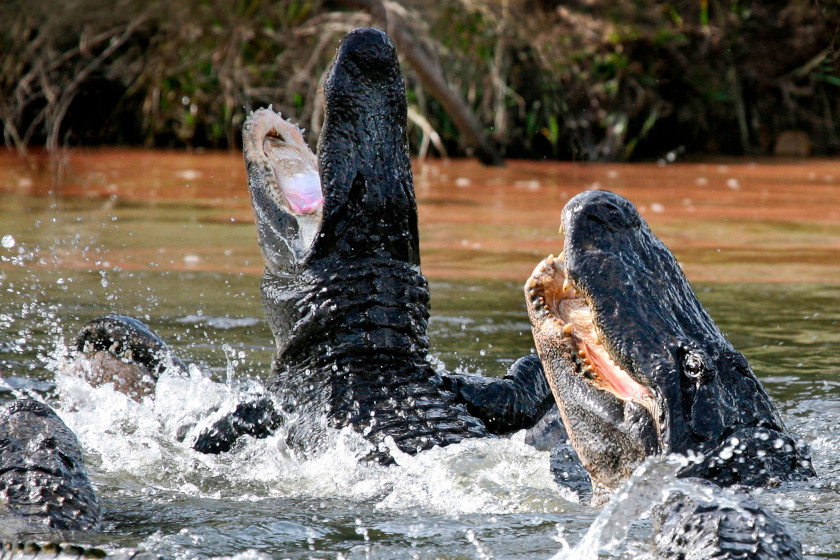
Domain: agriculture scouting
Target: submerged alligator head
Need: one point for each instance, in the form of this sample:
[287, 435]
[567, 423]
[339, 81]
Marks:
[637, 365]
[43, 484]
[342, 287]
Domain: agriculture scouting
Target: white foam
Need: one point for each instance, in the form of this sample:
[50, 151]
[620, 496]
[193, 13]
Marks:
[148, 443]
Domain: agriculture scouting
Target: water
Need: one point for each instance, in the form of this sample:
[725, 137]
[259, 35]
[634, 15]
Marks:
[184, 258]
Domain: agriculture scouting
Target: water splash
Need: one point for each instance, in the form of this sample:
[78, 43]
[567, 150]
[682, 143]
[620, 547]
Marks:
[148, 442]
[654, 483]
[476, 476]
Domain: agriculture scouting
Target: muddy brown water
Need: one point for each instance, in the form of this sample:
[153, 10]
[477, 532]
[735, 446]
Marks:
[169, 236]
[765, 221]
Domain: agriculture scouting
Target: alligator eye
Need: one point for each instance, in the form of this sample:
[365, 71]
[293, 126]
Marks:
[694, 366]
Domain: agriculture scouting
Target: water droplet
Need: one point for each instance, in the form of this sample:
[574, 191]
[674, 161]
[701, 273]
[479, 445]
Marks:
[8, 241]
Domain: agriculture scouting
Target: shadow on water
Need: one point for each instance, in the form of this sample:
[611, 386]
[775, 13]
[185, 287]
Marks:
[169, 237]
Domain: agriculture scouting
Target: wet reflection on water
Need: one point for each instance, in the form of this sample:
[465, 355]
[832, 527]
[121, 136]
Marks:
[169, 237]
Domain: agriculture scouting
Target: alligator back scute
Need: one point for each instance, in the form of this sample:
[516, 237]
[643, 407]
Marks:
[699, 530]
[63, 551]
[42, 476]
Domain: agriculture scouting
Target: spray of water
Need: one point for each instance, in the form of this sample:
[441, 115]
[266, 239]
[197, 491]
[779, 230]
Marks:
[147, 442]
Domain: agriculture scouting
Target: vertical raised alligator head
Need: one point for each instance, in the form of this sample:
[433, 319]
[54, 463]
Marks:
[342, 287]
[637, 365]
[362, 213]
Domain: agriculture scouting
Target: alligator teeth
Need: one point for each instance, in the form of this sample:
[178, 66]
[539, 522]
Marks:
[566, 284]
[567, 328]
[532, 282]
[582, 353]
[562, 255]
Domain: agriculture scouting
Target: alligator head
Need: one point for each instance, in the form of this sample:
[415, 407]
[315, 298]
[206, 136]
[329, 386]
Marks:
[361, 207]
[366, 206]
[342, 287]
[637, 365]
[42, 472]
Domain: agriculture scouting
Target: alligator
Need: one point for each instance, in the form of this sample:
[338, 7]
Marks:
[46, 497]
[342, 288]
[43, 483]
[638, 368]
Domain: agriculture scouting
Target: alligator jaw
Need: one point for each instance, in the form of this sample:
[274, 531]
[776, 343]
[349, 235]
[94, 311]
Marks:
[285, 186]
[613, 420]
[552, 297]
[664, 378]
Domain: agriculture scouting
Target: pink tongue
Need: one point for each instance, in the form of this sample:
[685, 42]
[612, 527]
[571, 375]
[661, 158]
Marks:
[621, 382]
[303, 192]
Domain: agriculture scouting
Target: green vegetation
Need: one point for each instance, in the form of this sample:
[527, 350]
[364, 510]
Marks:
[590, 79]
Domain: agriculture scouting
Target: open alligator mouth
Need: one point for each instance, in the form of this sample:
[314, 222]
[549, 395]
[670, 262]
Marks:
[294, 168]
[283, 174]
[613, 420]
[552, 294]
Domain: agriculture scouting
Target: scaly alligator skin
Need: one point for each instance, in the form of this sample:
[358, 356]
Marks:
[691, 529]
[342, 288]
[46, 498]
[42, 475]
[65, 551]
[639, 368]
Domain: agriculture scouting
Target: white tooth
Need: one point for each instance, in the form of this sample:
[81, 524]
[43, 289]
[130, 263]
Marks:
[566, 284]
[567, 328]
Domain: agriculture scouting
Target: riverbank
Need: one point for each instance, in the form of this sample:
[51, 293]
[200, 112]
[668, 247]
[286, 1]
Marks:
[581, 80]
